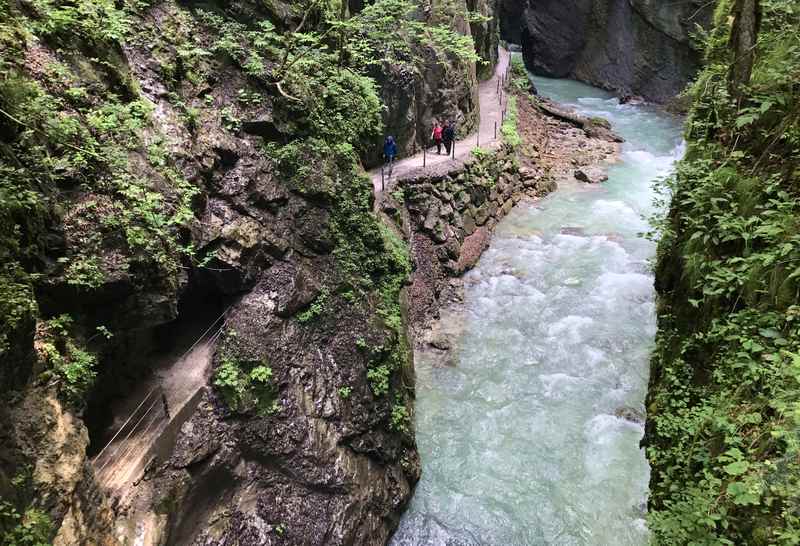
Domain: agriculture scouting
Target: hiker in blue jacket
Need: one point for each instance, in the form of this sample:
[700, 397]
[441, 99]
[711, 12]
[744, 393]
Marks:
[389, 149]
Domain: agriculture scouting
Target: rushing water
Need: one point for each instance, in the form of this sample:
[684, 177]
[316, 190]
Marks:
[520, 441]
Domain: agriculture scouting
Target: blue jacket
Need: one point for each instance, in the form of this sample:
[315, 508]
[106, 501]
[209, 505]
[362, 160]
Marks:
[390, 148]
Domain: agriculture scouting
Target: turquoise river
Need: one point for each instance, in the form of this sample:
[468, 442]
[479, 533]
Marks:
[522, 441]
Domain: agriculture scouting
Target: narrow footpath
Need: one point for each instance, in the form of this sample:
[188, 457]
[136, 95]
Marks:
[491, 104]
[157, 407]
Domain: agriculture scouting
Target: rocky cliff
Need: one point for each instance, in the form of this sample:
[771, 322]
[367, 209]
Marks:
[631, 47]
[164, 162]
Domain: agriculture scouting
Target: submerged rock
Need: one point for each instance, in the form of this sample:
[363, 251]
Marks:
[630, 414]
[577, 231]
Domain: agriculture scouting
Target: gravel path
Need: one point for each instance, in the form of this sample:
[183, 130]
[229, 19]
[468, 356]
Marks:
[491, 113]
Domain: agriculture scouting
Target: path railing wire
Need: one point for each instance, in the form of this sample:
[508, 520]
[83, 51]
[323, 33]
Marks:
[152, 409]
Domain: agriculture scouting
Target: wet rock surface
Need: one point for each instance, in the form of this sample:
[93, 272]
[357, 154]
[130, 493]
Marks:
[631, 47]
[591, 175]
[631, 414]
[329, 462]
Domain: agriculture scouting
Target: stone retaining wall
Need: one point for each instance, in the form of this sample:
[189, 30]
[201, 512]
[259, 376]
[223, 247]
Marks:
[448, 212]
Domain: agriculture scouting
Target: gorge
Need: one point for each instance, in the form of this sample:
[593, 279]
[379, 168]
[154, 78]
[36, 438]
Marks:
[216, 330]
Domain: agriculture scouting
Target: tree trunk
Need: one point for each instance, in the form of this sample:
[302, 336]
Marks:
[746, 24]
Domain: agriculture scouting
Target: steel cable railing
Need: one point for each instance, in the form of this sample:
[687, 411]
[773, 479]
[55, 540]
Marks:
[123, 444]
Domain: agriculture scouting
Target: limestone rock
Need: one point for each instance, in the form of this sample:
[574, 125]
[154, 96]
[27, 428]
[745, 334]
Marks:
[630, 414]
[629, 46]
[302, 290]
[431, 218]
[591, 175]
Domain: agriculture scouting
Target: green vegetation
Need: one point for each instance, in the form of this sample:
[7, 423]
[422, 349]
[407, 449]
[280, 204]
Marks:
[378, 377]
[724, 405]
[31, 528]
[374, 260]
[246, 385]
[71, 156]
[400, 417]
[479, 153]
[520, 81]
[67, 366]
[21, 523]
[509, 127]
[345, 392]
[315, 309]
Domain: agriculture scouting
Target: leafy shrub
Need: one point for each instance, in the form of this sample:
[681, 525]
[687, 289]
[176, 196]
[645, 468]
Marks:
[246, 385]
[378, 378]
[723, 433]
[67, 366]
[520, 80]
[21, 523]
[400, 418]
[315, 309]
[31, 528]
[509, 127]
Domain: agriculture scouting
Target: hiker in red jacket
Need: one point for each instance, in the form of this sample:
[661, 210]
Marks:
[436, 135]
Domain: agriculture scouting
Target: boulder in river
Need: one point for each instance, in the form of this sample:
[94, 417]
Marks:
[630, 414]
[591, 175]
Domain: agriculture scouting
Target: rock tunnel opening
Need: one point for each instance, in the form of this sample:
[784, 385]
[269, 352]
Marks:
[155, 368]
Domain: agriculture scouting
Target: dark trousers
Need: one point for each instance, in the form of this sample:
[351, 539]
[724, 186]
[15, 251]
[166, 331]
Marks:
[447, 145]
[438, 146]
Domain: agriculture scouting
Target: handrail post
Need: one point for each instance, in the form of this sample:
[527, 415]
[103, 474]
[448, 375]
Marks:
[495, 130]
[383, 182]
[424, 156]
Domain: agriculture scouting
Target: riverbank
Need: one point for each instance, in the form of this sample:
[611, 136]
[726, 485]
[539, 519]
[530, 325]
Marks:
[449, 211]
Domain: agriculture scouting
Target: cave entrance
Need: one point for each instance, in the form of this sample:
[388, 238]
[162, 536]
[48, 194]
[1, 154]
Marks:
[146, 382]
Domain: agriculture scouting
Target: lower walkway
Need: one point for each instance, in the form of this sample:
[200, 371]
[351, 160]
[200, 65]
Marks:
[158, 405]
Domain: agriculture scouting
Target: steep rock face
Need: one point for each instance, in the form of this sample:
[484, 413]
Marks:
[485, 33]
[54, 442]
[321, 469]
[310, 280]
[509, 19]
[416, 96]
[637, 47]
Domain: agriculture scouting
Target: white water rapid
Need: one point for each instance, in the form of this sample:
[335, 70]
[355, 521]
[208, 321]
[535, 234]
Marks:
[521, 442]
